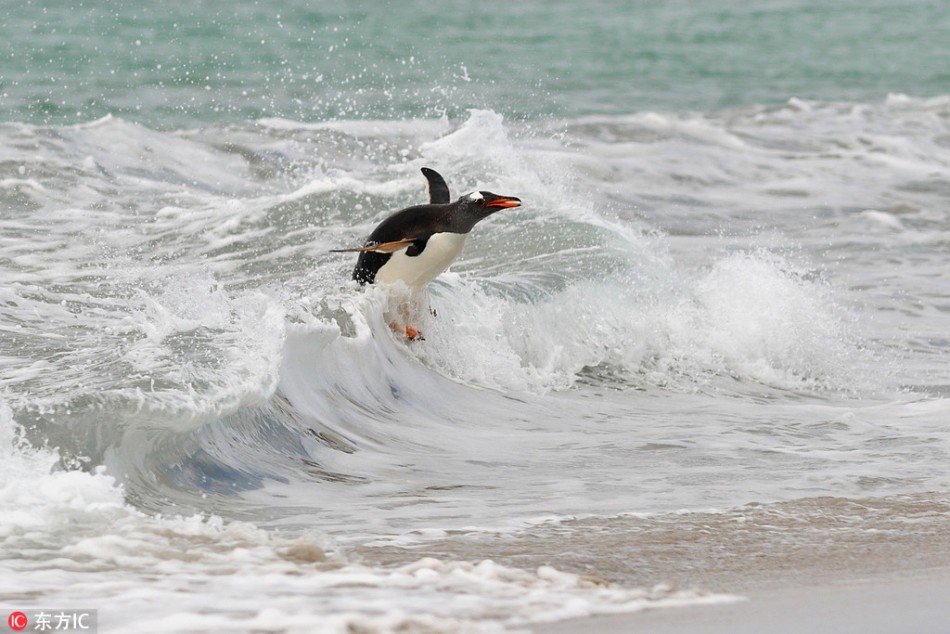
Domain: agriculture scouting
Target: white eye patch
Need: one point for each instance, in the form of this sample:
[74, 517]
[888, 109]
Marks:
[475, 196]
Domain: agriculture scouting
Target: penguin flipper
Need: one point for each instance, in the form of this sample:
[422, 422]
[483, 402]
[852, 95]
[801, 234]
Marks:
[385, 247]
[438, 190]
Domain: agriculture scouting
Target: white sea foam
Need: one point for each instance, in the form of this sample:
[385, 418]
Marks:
[68, 537]
[751, 316]
[687, 311]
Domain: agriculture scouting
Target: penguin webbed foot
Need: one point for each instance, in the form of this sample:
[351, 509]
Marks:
[410, 333]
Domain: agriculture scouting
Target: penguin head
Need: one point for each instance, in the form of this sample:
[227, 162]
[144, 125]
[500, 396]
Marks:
[477, 206]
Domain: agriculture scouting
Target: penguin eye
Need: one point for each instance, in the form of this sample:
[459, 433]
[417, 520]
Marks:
[477, 197]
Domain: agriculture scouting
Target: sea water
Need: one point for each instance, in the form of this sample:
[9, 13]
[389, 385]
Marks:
[720, 313]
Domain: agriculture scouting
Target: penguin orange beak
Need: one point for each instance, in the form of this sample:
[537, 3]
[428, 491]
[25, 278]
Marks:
[505, 202]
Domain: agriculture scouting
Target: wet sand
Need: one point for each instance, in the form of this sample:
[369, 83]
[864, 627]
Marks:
[874, 566]
[882, 605]
[820, 564]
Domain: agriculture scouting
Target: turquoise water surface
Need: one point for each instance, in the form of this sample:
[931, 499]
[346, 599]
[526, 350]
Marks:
[185, 64]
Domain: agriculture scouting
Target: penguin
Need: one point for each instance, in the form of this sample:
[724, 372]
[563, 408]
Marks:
[416, 244]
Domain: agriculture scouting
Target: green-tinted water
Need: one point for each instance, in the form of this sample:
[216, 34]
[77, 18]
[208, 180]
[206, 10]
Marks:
[184, 64]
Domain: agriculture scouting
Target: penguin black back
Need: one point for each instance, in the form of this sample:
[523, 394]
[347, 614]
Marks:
[414, 245]
[369, 262]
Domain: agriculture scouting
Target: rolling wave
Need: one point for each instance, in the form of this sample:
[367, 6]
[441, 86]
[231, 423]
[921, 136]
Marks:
[202, 339]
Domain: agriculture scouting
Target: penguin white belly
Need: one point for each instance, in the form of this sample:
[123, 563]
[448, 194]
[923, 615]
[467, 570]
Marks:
[441, 250]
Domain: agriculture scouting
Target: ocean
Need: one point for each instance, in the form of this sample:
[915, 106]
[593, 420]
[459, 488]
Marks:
[707, 354]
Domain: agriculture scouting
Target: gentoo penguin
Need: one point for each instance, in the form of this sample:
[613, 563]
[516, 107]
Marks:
[416, 244]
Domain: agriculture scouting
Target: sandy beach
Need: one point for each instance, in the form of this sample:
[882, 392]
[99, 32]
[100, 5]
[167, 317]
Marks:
[896, 604]
[876, 565]
[879, 567]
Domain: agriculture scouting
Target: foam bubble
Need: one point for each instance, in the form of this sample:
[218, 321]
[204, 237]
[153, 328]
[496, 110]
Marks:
[751, 316]
[40, 501]
[755, 316]
[484, 129]
[68, 537]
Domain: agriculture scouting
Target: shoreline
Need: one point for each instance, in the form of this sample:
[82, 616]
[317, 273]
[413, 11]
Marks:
[882, 604]
[823, 564]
